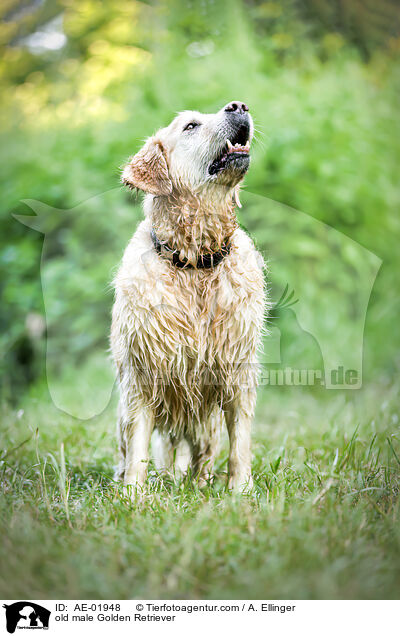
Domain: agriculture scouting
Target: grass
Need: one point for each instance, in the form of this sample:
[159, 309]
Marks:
[322, 522]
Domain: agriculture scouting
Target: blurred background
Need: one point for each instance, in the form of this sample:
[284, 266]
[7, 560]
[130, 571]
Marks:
[83, 83]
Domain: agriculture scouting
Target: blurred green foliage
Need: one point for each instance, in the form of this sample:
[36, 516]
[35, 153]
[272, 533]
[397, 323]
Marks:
[83, 83]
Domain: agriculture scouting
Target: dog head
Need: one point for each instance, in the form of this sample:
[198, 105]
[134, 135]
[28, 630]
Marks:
[194, 152]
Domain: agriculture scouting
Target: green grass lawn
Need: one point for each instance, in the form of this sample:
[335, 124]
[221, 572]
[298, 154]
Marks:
[322, 522]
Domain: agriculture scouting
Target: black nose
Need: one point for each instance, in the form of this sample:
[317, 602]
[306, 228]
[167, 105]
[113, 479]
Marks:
[236, 107]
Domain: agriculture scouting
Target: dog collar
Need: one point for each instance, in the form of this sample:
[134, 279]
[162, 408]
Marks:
[205, 261]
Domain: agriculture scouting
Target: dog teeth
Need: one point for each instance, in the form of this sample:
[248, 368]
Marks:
[237, 147]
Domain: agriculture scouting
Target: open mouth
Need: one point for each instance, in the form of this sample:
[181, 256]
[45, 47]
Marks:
[235, 151]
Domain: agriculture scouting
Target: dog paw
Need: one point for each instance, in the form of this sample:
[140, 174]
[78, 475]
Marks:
[240, 484]
[205, 480]
[134, 492]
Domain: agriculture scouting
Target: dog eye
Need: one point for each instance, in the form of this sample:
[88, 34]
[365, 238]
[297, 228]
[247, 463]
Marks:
[191, 125]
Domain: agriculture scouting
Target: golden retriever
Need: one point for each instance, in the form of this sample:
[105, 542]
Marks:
[189, 303]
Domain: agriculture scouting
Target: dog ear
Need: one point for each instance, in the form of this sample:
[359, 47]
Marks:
[148, 170]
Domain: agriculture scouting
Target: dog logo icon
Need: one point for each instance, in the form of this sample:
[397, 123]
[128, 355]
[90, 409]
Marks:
[26, 615]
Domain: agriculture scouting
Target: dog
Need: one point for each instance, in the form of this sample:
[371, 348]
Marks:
[189, 303]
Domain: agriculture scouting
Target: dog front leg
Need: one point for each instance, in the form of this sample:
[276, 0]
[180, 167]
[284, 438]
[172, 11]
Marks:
[138, 430]
[238, 416]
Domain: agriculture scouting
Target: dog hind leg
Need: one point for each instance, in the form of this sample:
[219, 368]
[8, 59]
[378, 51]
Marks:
[170, 457]
[205, 449]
